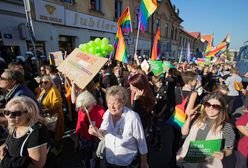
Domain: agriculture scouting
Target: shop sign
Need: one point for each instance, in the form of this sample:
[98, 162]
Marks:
[49, 12]
[76, 19]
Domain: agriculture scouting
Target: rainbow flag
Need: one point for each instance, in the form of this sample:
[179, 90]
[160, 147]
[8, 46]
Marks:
[156, 46]
[120, 53]
[179, 116]
[209, 38]
[147, 7]
[222, 47]
[125, 21]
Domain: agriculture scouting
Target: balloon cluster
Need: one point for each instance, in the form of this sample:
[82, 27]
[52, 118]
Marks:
[98, 47]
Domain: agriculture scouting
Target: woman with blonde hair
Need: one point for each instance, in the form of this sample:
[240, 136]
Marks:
[212, 123]
[26, 145]
[51, 102]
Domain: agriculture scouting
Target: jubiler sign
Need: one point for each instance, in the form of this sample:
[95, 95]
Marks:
[76, 19]
[49, 12]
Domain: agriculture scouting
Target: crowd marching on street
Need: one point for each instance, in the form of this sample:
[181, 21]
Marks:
[116, 115]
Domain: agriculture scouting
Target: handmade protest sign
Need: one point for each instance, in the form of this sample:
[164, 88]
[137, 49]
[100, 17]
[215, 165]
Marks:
[156, 67]
[81, 67]
[145, 66]
[56, 58]
[199, 151]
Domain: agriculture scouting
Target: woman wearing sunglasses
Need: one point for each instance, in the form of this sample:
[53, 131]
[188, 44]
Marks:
[26, 145]
[51, 101]
[211, 123]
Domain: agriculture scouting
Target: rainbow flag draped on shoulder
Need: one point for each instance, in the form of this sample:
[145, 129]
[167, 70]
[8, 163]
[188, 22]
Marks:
[156, 46]
[120, 53]
[147, 7]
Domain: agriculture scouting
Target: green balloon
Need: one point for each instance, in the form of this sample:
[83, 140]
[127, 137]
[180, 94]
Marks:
[87, 49]
[110, 48]
[99, 54]
[104, 53]
[104, 46]
[105, 40]
[98, 49]
[91, 43]
[92, 50]
[98, 40]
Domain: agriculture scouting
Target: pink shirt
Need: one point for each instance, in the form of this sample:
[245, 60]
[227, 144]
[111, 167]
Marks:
[243, 142]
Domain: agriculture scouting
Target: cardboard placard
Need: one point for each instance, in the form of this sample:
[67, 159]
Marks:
[81, 67]
[56, 58]
[145, 66]
[199, 151]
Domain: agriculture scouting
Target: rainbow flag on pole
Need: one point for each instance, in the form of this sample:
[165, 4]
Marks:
[120, 53]
[125, 21]
[222, 47]
[156, 46]
[147, 7]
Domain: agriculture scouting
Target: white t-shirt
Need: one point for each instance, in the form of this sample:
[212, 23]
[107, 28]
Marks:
[125, 139]
[230, 83]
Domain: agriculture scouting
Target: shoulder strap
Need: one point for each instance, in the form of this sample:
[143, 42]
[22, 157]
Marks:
[30, 130]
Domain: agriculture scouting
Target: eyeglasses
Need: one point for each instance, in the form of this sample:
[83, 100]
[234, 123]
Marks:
[44, 82]
[16, 113]
[214, 106]
[42, 70]
[3, 78]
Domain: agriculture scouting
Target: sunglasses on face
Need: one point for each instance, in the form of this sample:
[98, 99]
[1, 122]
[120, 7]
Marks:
[3, 78]
[44, 82]
[13, 113]
[214, 106]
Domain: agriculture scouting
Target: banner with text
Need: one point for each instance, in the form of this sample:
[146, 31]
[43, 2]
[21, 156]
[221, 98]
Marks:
[156, 67]
[81, 67]
[199, 151]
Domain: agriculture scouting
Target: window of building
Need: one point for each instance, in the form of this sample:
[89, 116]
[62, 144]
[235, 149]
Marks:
[176, 34]
[166, 29]
[148, 25]
[95, 5]
[39, 46]
[118, 8]
[136, 18]
[66, 43]
[172, 32]
[69, 1]
[157, 23]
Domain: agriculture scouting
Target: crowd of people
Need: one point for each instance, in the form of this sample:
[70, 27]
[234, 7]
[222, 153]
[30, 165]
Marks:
[117, 116]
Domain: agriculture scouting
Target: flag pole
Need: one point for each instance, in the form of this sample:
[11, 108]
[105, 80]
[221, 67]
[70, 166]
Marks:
[136, 45]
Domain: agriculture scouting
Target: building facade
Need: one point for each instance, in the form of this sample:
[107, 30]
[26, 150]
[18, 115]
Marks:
[64, 24]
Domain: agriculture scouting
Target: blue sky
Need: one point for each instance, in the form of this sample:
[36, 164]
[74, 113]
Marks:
[216, 16]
